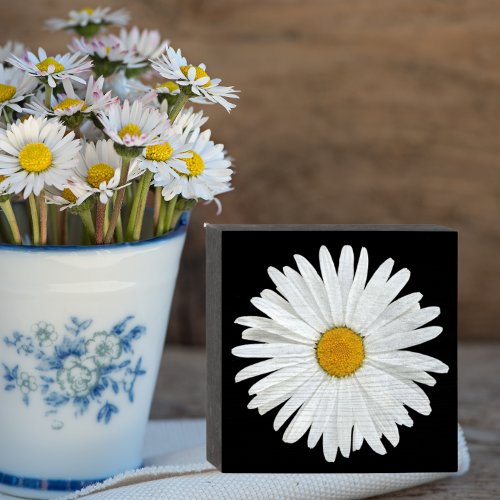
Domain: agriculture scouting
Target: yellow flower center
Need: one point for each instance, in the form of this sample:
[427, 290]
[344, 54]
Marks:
[68, 195]
[131, 129]
[200, 73]
[6, 92]
[68, 102]
[160, 152]
[171, 86]
[44, 65]
[88, 11]
[340, 352]
[35, 157]
[195, 164]
[98, 173]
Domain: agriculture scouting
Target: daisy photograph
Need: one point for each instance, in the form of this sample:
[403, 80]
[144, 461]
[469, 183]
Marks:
[338, 356]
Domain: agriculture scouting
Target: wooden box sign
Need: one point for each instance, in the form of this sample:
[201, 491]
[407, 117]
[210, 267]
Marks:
[332, 348]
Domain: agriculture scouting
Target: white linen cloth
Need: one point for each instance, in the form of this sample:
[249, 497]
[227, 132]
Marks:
[176, 469]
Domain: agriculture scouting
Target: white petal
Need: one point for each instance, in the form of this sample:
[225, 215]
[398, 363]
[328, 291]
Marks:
[271, 398]
[285, 319]
[411, 360]
[385, 296]
[364, 422]
[332, 287]
[344, 416]
[396, 309]
[370, 295]
[303, 418]
[315, 285]
[410, 321]
[258, 335]
[277, 378]
[346, 273]
[401, 340]
[266, 366]
[297, 298]
[328, 394]
[330, 443]
[358, 285]
[272, 350]
[300, 396]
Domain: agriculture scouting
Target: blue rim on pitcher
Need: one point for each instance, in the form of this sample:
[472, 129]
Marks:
[179, 230]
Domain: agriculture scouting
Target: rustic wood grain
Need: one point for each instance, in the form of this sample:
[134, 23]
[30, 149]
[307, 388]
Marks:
[359, 111]
[180, 393]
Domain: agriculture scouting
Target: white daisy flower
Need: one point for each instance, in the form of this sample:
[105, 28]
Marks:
[70, 103]
[12, 48]
[136, 125]
[50, 69]
[335, 344]
[88, 21]
[205, 173]
[187, 122]
[98, 171]
[36, 153]
[193, 79]
[108, 53]
[74, 193]
[162, 158]
[15, 87]
[146, 43]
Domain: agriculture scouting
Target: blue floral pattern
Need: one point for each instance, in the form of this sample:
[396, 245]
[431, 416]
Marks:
[74, 369]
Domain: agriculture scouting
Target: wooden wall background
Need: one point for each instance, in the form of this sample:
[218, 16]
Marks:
[351, 112]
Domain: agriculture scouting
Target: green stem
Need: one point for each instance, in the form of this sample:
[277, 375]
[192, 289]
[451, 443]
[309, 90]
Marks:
[4, 237]
[119, 229]
[48, 96]
[88, 223]
[143, 194]
[181, 101]
[99, 223]
[42, 208]
[11, 219]
[129, 195]
[63, 227]
[133, 215]
[53, 219]
[34, 219]
[117, 205]
[160, 228]
[156, 210]
[170, 213]
[106, 218]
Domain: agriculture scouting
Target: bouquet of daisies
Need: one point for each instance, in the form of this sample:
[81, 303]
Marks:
[89, 138]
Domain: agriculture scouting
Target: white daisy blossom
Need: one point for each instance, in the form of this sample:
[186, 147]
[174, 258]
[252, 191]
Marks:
[108, 47]
[162, 158]
[146, 43]
[36, 153]
[173, 66]
[84, 17]
[204, 174]
[53, 68]
[71, 103]
[12, 48]
[71, 194]
[136, 125]
[98, 171]
[15, 87]
[188, 121]
[335, 353]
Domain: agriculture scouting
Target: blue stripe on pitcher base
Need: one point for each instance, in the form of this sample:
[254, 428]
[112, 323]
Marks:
[47, 484]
